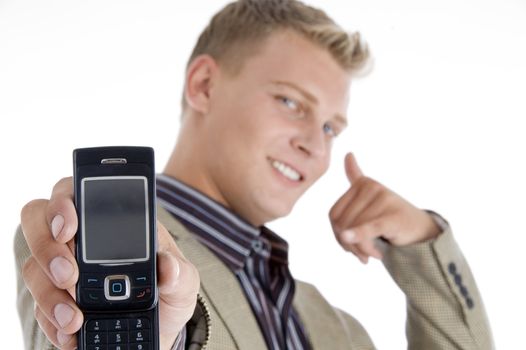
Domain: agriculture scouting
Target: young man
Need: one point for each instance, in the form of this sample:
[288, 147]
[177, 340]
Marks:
[266, 92]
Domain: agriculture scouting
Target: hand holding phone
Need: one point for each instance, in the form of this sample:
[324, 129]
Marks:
[49, 229]
[116, 247]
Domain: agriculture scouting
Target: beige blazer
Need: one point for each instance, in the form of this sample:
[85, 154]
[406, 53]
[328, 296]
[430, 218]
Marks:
[444, 308]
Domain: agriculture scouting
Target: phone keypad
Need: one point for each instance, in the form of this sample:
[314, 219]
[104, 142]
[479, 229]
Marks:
[118, 334]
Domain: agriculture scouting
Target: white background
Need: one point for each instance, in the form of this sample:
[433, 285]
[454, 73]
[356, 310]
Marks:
[439, 121]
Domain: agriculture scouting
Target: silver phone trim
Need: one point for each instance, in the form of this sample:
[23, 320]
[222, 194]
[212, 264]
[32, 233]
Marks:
[147, 216]
[127, 286]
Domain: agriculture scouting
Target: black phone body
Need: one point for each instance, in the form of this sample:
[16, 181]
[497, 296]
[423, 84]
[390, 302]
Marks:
[116, 246]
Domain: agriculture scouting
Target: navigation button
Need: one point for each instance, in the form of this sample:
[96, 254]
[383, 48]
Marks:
[117, 287]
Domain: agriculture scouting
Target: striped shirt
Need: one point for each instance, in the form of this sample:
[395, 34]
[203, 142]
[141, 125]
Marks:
[256, 255]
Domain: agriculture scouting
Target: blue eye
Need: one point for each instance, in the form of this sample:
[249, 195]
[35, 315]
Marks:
[291, 104]
[328, 129]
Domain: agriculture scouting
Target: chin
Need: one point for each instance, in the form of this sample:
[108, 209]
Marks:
[271, 204]
[276, 211]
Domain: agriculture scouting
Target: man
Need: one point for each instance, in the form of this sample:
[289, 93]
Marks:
[266, 92]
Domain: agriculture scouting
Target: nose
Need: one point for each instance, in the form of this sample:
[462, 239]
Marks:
[311, 141]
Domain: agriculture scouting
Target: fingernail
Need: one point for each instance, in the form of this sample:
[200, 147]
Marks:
[172, 278]
[61, 269]
[63, 338]
[56, 225]
[63, 314]
[349, 236]
[177, 267]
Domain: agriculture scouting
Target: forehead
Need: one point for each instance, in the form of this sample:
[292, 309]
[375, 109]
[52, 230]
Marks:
[288, 56]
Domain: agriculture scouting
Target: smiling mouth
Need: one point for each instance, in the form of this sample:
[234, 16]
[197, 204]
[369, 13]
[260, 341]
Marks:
[286, 170]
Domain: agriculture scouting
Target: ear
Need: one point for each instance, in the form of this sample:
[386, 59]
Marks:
[200, 77]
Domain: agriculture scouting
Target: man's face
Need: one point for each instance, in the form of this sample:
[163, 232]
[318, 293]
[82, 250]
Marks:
[270, 128]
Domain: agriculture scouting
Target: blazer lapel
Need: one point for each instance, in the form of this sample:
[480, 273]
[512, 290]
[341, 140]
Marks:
[323, 326]
[220, 286]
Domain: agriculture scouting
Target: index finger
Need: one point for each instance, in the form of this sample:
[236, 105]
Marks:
[61, 214]
[55, 258]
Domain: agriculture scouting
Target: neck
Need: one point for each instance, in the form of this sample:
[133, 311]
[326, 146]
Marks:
[193, 163]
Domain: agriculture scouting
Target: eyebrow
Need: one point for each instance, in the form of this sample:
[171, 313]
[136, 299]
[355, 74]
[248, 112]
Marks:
[309, 97]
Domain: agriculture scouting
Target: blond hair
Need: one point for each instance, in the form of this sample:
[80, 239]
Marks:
[236, 32]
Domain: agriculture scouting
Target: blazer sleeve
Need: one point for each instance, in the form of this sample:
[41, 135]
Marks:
[34, 338]
[444, 306]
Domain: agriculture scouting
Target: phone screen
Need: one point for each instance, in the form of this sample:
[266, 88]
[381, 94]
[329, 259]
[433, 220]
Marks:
[115, 219]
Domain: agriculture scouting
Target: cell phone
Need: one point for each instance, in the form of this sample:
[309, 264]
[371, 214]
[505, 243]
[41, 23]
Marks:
[116, 246]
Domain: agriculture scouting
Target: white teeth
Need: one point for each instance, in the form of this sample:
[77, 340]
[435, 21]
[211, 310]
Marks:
[287, 171]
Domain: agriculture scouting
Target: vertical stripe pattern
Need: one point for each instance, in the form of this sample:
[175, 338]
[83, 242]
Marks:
[256, 255]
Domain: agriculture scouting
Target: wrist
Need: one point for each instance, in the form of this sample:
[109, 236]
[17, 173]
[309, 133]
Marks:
[431, 228]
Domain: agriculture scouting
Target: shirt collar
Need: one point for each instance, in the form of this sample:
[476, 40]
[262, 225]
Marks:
[228, 235]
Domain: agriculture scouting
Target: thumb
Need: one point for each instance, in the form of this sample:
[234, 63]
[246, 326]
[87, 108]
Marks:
[178, 287]
[352, 169]
[168, 272]
[178, 282]
[178, 278]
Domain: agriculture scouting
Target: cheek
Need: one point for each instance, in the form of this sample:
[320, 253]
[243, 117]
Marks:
[258, 129]
[322, 166]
